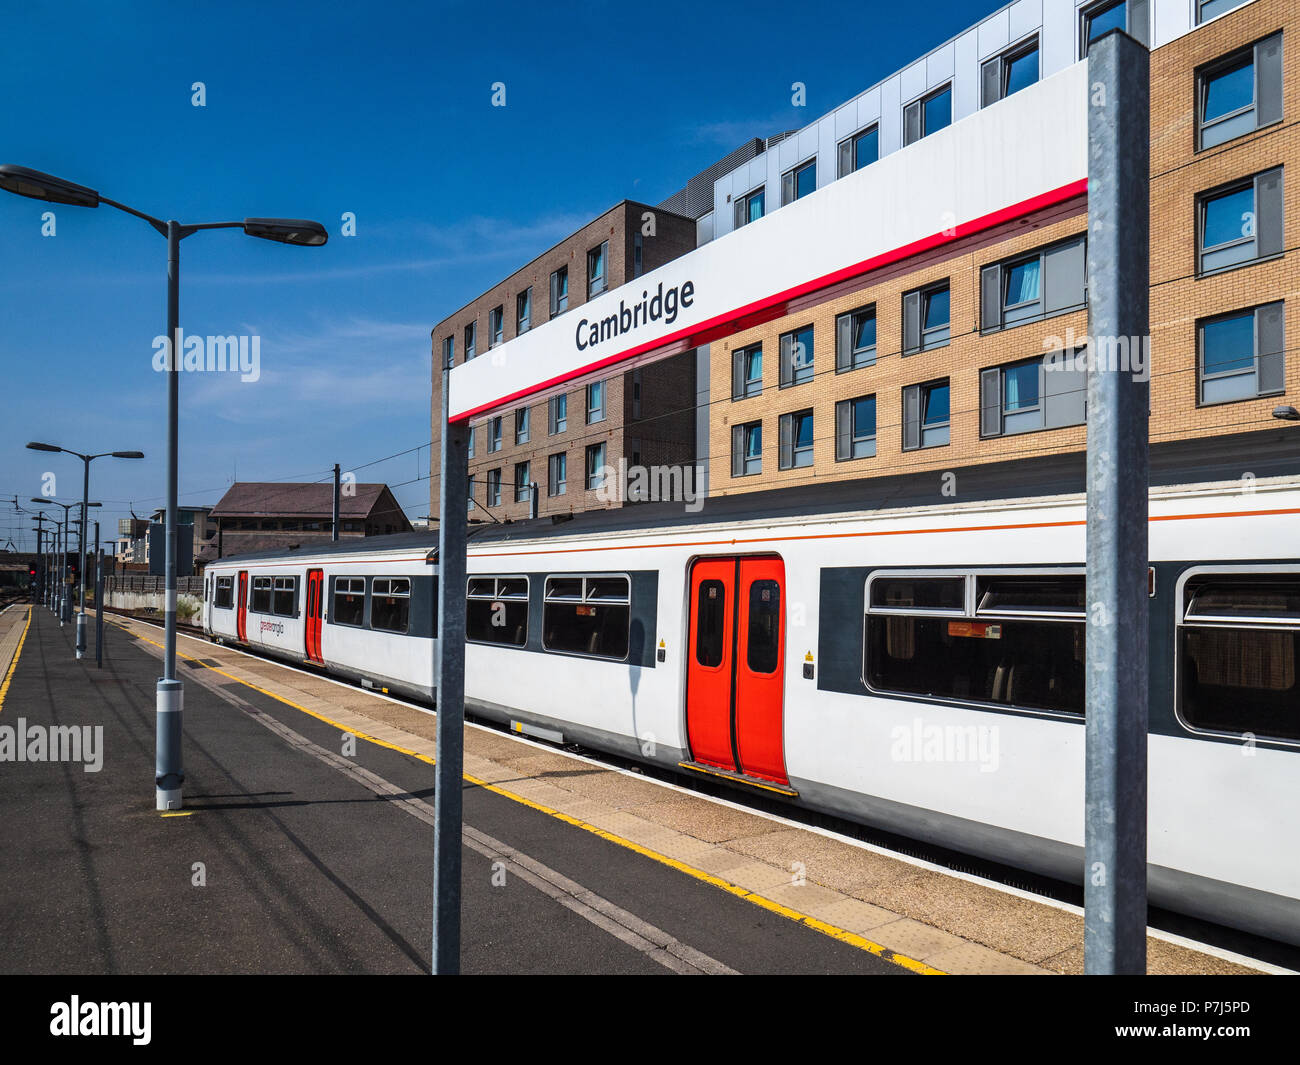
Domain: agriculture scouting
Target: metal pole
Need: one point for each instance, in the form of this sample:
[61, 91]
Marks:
[334, 535]
[450, 677]
[81, 554]
[38, 586]
[1115, 837]
[169, 774]
[99, 601]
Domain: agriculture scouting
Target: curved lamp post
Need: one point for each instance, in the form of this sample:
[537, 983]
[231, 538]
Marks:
[169, 774]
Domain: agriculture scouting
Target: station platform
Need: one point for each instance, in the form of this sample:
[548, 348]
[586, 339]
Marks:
[306, 845]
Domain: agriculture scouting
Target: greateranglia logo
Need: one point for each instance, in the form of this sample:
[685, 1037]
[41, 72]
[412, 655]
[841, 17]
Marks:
[103, 1018]
[663, 305]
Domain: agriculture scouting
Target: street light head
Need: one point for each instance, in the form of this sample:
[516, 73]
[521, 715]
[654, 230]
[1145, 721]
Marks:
[46, 187]
[1286, 414]
[287, 230]
[43, 447]
[128, 454]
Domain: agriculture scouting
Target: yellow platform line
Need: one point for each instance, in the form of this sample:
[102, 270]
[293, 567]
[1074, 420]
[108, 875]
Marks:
[9, 673]
[843, 935]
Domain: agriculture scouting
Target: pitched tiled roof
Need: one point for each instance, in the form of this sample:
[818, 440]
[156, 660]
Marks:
[272, 499]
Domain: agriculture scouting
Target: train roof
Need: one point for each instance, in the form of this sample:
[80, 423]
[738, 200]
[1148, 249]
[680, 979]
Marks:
[1272, 453]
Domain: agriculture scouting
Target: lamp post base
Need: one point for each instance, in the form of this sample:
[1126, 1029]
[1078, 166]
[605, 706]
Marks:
[168, 774]
[81, 636]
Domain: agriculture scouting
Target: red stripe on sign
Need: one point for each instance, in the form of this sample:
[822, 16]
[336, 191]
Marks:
[771, 307]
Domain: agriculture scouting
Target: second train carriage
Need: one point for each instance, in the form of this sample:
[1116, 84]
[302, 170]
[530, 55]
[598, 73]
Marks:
[920, 669]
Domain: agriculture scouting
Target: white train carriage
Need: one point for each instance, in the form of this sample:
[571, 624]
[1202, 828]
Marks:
[920, 669]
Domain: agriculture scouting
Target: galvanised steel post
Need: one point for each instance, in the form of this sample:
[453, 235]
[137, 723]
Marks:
[81, 555]
[99, 601]
[1115, 830]
[169, 776]
[450, 680]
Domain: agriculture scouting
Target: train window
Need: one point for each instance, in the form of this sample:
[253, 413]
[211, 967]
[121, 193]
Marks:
[587, 616]
[349, 601]
[1023, 646]
[1239, 654]
[496, 610]
[710, 617]
[284, 601]
[1030, 595]
[261, 601]
[764, 637]
[390, 604]
[224, 593]
[919, 593]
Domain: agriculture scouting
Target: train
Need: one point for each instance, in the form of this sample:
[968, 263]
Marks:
[913, 665]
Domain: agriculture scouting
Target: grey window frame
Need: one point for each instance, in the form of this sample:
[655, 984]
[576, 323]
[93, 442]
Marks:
[524, 311]
[229, 588]
[787, 453]
[791, 375]
[557, 420]
[847, 356]
[1268, 244]
[523, 424]
[740, 206]
[264, 585]
[848, 436]
[471, 340]
[914, 113]
[601, 250]
[493, 487]
[740, 459]
[559, 303]
[742, 385]
[1274, 370]
[915, 440]
[999, 66]
[1201, 5]
[523, 489]
[497, 594]
[277, 590]
[449, 350]
[585, 597]
[494, 435]
[915, 304]
[597, 413]
[846, 152]
[1140, 32]
[470, 433]
[1054, 260]
[557, 485]
[1267, 75]
[391, 593]
[591, 471]
[496, 326]
[790, 181]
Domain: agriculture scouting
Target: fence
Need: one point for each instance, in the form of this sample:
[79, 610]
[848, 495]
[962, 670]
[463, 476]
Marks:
[145, 583]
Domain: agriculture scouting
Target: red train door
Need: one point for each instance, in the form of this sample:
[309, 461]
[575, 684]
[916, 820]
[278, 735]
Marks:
[241, 606]
[735, 676]
[315, 581]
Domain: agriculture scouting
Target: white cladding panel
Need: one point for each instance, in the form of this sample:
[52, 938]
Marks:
[1029, 144]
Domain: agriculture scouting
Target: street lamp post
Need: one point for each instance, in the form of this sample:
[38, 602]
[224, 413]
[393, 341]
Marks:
[169, 774]
[81, 541]
[65, 600]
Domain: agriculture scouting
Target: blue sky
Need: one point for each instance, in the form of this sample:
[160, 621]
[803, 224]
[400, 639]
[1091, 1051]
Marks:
[312, 110]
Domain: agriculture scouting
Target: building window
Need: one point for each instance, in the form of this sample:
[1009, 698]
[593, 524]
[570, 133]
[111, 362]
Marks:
[469, 493]
[596, 281]
[925, 415]
[449, 351]
[496, 610]
[1240, 94]
[494, 434]
[595, 402]
[523, 482]
[1131, 16]
[560, 291]
[1238, 646]
[349, 601]
[927, 115]
[1008, 73]
[746, 449]
[796, 440]
[390, 604]
[470, 433]
[1208, 9]
[471, 331]
[557, 474]
[595, 466]
[855, 339]
[522, 422]
[796, 357]
[1047, 392]
[1242, 355]
[797, 183]
[494, 487]
[747, 372]
[1241, 224]
[524, 311]
[855, 428]
[587, 616]
[558, 414]
[749, 208]
[926, 318]
[284, 601]
[862, 149]
[1039, 285]
[496, 326]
